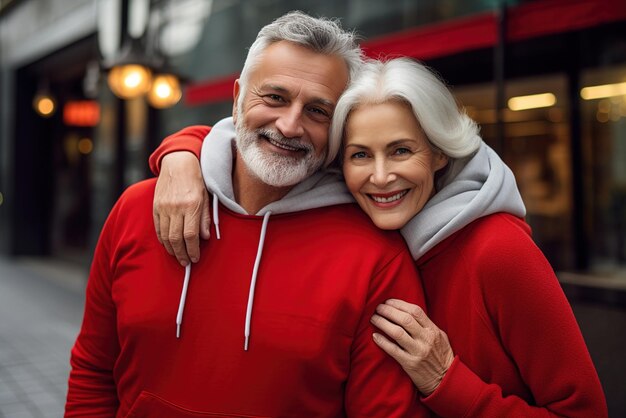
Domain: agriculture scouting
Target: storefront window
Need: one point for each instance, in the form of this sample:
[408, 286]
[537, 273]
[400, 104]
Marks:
[604, 142]
[537, 148]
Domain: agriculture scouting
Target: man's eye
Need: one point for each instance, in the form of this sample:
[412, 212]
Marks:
[318, 110]
[274, 97]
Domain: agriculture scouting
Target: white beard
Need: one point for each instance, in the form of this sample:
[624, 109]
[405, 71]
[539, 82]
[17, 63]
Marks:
[274, 169]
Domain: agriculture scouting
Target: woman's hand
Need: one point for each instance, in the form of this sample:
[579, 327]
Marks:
[181, 206]
[422, 349]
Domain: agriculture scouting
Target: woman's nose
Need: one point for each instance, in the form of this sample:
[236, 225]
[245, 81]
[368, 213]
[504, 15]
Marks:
[382, 175]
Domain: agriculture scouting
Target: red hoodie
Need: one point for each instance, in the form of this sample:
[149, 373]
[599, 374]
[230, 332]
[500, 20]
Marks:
[322, 273]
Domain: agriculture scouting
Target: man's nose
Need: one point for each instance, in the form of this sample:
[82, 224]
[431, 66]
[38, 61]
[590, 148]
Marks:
[382, 174]
[289, 123]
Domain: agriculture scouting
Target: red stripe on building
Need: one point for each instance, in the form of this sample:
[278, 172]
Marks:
[211, 91]
[436, 40]
[539, 18]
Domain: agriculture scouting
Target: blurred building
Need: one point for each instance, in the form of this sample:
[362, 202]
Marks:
[60, 173]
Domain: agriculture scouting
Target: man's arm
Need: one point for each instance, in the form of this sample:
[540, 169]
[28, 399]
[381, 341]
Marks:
[181, 210]
[377, 385]
[91, 387]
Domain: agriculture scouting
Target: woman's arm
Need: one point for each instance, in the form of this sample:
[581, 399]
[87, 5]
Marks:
[181, 210]
[187, 139]
[523, 302]
[451, 389]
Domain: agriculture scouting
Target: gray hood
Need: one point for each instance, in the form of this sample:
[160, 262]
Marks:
[324, 188]
[472, 187]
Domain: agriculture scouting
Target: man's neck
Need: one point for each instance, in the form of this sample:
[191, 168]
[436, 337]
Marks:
[250, 192]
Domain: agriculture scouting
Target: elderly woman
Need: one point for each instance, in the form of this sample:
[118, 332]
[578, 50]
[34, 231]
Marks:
[500, 338]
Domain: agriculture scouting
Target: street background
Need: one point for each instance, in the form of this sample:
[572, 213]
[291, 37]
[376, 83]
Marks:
[73, 136]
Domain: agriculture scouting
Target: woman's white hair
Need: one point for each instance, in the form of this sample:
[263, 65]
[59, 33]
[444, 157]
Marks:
[447, 127]
[322, 35]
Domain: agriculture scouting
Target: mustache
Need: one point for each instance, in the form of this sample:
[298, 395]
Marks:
[283, 140]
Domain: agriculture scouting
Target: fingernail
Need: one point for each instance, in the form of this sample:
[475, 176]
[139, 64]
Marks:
[194, 259]
[376, 337]
[184, 263]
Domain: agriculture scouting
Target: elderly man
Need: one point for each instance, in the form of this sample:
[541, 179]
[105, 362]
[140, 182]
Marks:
[274, 318]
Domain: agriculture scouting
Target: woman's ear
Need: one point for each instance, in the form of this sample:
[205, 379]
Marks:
[440, 160]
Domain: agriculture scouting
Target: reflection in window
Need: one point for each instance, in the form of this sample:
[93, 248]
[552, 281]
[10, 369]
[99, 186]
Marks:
[537, 149]
[604, 140]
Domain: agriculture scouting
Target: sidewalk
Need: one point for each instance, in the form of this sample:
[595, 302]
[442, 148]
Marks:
[41, 306]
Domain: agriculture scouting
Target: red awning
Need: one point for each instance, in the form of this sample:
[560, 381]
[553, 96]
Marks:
[530, 20]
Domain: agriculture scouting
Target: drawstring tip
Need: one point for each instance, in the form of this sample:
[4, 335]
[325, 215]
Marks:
[177, 330]
[216, 218]
[245, 344]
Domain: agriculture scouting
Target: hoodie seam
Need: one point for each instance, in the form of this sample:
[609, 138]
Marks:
[373, 280]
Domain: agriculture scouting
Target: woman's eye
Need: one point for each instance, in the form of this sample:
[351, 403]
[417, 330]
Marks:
[400, 151]
[360, 154]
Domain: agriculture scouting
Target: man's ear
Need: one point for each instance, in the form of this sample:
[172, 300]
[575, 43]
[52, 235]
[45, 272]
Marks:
[236, 91]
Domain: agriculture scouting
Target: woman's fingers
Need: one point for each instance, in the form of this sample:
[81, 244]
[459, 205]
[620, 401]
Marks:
[205, 217]
[392, 349]
[196, 224]
[404, 319]
[176, 239]
[395, 331]
[156, 218]
[164, 233]
[181, 207]
[413, 310]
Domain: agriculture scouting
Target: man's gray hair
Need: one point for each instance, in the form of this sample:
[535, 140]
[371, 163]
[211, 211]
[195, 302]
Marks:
[322, 35]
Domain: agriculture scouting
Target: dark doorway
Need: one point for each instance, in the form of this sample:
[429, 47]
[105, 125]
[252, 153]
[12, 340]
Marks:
[53, 157]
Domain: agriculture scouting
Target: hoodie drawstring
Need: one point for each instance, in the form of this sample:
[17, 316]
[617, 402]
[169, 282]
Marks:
[255, 271]
[216, 218]
[183, 298]
[257, 262]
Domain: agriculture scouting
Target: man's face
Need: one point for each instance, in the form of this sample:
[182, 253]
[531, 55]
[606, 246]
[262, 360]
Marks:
[282, 130]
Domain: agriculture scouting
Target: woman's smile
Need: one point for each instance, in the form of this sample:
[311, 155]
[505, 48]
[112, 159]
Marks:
[387, 200]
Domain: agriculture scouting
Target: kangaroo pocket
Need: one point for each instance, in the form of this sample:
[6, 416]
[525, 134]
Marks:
[149, 405]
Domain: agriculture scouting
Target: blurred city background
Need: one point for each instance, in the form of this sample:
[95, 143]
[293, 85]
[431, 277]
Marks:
[88, 88]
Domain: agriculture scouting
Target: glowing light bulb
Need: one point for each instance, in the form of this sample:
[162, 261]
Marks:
[130, 81]
[44, 105]
[165, 91]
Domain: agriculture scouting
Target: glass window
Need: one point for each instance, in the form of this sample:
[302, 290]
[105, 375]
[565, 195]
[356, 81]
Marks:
[604, 150]
[537, 148]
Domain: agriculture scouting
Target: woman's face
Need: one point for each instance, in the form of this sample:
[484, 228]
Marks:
[388, 164]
